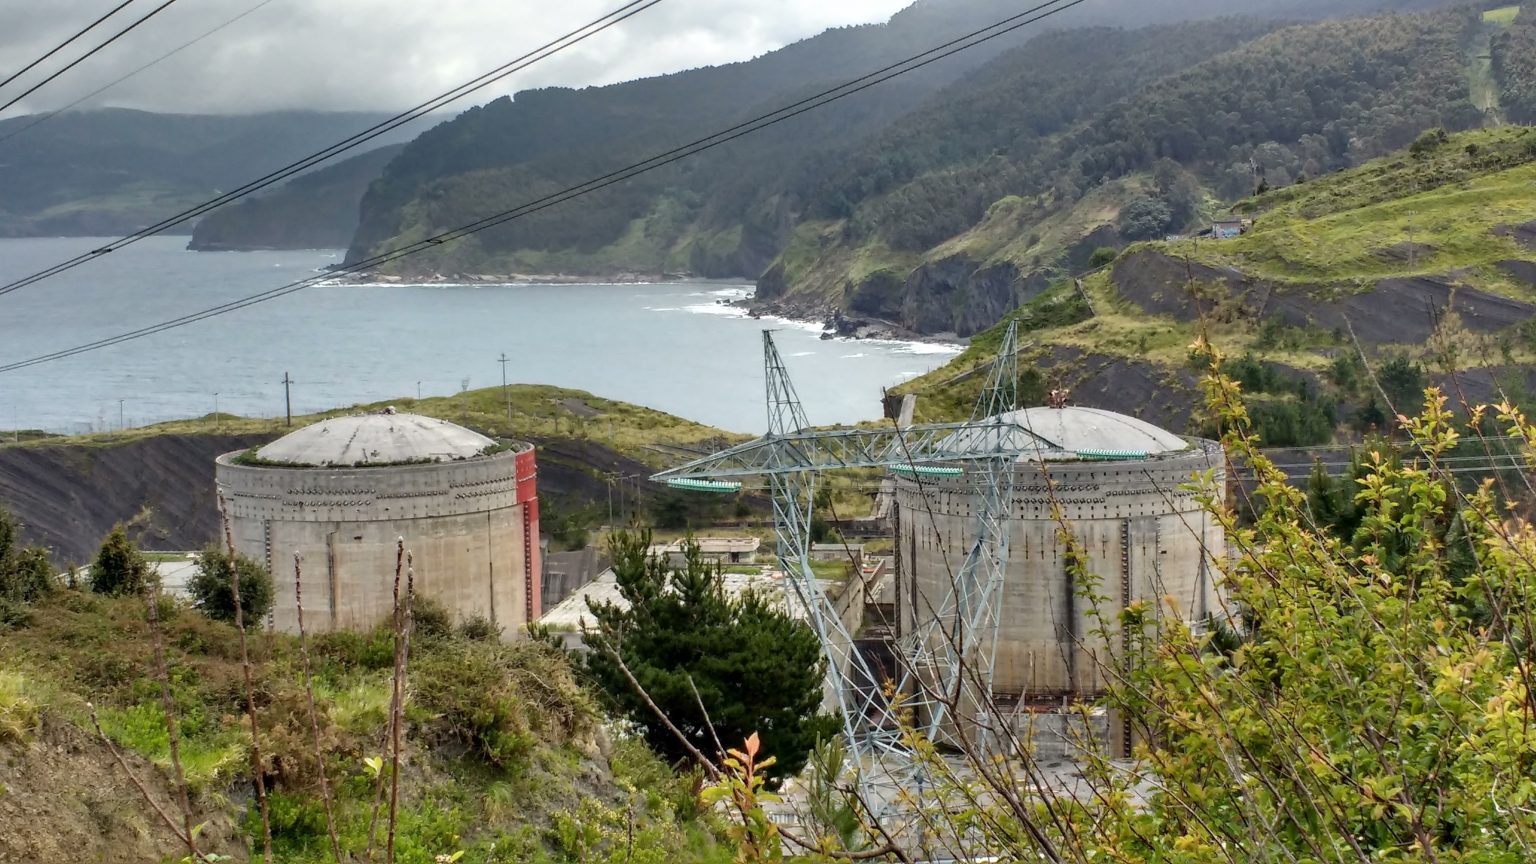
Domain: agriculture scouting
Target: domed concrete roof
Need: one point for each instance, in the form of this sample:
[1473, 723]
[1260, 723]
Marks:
[375, 439]
[1067, 433]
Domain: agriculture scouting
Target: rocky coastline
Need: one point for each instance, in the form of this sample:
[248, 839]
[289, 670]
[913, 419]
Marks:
[367, 277]
[836, 323]
[839, 324]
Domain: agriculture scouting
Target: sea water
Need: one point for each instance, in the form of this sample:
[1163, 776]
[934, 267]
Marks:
[671, 346]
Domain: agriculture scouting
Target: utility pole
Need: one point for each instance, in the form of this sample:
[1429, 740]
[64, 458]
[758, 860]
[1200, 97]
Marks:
[505, 394]
[1412, 249]
[418, 391]
[218, 423]
[610, 477]
[120, 424]
[288, 397]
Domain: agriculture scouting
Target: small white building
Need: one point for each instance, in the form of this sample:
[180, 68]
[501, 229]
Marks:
[721, 550]
[174, 570]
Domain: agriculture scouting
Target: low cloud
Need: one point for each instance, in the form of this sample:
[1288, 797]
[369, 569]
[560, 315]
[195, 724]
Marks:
[384, 54]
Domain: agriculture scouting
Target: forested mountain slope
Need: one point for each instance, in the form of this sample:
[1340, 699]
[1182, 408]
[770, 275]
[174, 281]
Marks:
[112, 171]
[955, 244]
[735, 210]
[317, 210]
[1424, 261]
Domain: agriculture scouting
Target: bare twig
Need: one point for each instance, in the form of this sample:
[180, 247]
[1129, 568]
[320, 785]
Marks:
[185, 838]
[394, 701]
[245, 675]
[713, 771]
[708, 723]
[402, 658]
[314, 721]
[168, 707]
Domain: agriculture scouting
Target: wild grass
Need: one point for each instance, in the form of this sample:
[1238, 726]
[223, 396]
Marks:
[832, 571]
[212, 754]
[537, 412]
[500, 738]
[19, 711]
[362, 707]
[1339, 229]
[1503, 16]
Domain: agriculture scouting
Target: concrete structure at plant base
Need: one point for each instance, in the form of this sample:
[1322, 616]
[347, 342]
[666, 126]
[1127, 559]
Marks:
[341, 492]
[1122, 486]
[719, 550]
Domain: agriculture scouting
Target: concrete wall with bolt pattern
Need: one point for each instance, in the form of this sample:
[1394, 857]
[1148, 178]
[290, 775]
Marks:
[469, 525]
[1147, 540]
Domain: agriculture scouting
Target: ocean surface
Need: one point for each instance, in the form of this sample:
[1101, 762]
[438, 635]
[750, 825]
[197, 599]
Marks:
[673, 346]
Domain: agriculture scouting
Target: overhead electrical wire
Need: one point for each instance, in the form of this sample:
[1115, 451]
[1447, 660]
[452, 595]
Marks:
[954, 46]
[65, 44]
[89, 54]
[548, 49]
[43, 118]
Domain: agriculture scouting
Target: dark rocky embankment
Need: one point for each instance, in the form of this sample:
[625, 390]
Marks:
[69, 495]
[1394, 310]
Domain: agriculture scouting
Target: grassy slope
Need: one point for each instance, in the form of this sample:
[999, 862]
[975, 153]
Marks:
[1326, 233]
[1028, 233]
[505, 759]
[1335, 228]
[537, 411]
[819, 267]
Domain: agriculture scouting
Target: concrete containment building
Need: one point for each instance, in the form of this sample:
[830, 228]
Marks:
[1117, 480]
[341, 491]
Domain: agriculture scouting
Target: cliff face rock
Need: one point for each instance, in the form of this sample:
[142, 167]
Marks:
[68, 496]
[1080, 254]
[1524, 234]
[773, 284]
[1399, 309]
[1525, 271]
[1164, 397]
[881, 294]
[954, 295]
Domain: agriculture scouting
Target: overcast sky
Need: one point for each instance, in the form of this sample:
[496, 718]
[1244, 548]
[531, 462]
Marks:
[383, 54]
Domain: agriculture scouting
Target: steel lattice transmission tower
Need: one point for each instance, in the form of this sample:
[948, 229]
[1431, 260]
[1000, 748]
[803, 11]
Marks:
[952, 647]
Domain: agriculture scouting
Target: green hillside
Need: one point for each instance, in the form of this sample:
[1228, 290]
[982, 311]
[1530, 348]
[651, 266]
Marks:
[1424, 259]
[940, 200]
[112, 171]
[506, 757]
[312, 211]
[975, 236]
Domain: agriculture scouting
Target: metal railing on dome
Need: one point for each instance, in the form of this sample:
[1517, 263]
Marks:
[927, 470]
[1111, 455]
[691, 484]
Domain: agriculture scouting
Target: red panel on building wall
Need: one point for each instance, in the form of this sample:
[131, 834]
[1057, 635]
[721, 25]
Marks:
[533, 577]
[528, 496]
[527, 477]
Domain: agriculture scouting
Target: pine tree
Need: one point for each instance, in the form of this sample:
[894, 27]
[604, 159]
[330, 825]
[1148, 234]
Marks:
[210, 587]
[119, 567]
[755, 669]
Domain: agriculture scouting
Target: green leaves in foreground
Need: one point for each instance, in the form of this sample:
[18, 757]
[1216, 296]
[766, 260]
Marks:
[1377, 707]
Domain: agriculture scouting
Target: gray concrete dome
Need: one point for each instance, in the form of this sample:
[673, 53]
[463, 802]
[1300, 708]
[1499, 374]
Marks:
[1122, 485]
[341, 494]
[383, 438]
[1072, 432]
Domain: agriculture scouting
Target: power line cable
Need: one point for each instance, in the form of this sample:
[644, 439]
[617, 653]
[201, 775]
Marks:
[954, 46]
[43, 118]
[65, 44]
[89, 54]
[548, 49]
